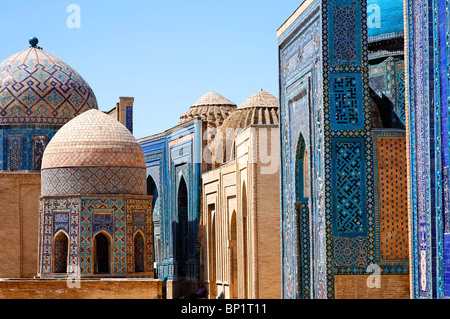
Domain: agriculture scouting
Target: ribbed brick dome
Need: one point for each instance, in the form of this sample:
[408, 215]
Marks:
[93, 139]
[260, 108]
[212, 107]
[93, 154]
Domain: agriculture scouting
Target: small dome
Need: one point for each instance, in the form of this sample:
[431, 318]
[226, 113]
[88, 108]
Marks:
[212, 107]
[213, 99]
[260, 108]
[36, 87]
[93, 139]
[260, 99]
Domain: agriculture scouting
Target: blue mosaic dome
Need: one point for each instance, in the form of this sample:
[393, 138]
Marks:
[36, 87]
[385, 19]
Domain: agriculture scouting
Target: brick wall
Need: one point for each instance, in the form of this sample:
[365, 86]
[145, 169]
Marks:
[19, 221]
[88, 289]
[355, 287]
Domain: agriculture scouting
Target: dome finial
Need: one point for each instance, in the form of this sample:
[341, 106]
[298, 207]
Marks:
[33, 42]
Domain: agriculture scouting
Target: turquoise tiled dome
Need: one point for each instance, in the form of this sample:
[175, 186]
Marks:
[36, 87]
[390, 13]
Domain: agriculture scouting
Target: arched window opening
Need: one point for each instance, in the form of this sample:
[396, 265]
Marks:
[61, 249]
[234, 257]
[152, 189]
[213, 268]
[138, 253]
[182, 229]
[102, 254]
[245, 240]
[304, 243]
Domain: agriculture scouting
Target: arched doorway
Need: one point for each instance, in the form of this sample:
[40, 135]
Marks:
[212, 251]
[302, 191]
[234, 257]
[60, 253]
[213, 258]
[245, 217]
[182, 229]
[139, 265]
[102, 258]
[152, 189]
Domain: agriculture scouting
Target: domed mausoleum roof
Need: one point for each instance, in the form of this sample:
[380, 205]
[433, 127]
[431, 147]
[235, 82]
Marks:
[36, 87]
[385, 19]
[260, 108]
[212, 107]
[93, 139]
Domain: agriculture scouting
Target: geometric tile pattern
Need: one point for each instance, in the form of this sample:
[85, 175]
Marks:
[350, 252]
[87, 216]
[428, 69]
[93, 180]
[89, 228]
[346, 101]
[14, 153]
[300, 79]
[36, 87]
[39, 144]
[349, 190]
[51, 209]
[399, 107]
[137, 207]
[24, 145]
[344, 41]
[129, 118]
[345, 32]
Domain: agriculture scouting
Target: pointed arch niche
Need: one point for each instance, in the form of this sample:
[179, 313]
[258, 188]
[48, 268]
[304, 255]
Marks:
[139, 252]
[60, 252]
[182, 228]
[102, 253]
[302, 191]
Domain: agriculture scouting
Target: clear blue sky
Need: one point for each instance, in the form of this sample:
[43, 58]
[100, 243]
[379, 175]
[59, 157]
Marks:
[165, 54]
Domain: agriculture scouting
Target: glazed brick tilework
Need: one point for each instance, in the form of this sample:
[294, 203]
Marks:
[36, 87]
[83, 224]
[93, 180]
[392, 195]
[72, 207]
[392, 185]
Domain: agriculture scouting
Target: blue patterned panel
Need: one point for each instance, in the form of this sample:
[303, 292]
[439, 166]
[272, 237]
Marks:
[129, 118]
[447, 264]
[93, 180]
[15, 153]
[399, 107]
[346, 98]
[345, 32]
[377, 78]
[102, 219]
[39, 143]
[60, 221]
[300, 54]
[348, 198]
[350, 252]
